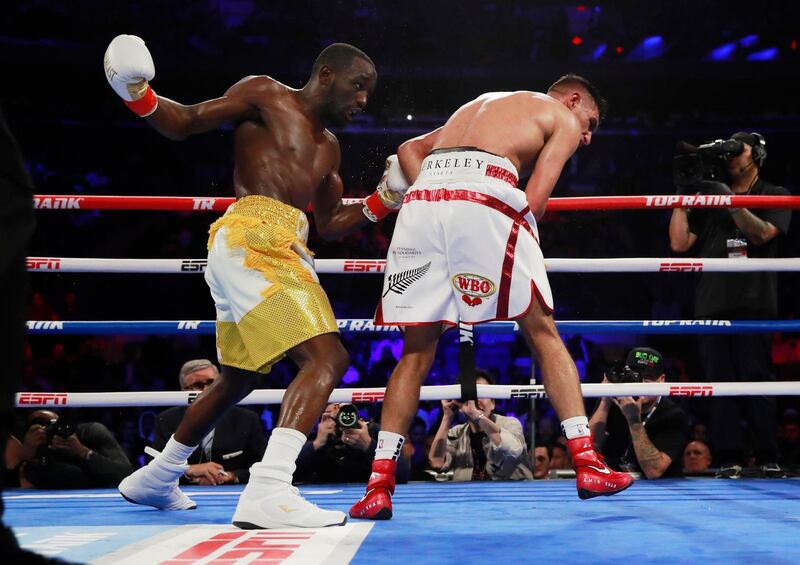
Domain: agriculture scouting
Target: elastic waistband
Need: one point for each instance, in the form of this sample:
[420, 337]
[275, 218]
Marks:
[273, 211]
[467, 163]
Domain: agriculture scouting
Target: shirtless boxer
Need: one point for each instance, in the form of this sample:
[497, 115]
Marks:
[465, 247]
[268, 299]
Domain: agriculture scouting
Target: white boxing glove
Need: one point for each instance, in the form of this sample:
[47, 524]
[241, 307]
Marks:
[389, 194]
[129, 66]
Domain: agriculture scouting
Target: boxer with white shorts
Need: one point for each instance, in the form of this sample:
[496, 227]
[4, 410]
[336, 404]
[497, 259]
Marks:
[466, 247]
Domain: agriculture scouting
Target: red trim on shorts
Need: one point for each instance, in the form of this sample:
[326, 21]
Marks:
[507, 271]
[501, 173]
[439, 194]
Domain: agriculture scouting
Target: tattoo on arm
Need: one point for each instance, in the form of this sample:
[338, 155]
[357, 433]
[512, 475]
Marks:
[648, 455]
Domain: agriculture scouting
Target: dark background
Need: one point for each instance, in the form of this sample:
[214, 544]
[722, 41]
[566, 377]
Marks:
[431, 57]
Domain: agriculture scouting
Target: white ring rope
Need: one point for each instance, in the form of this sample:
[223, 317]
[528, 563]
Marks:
[365, 266]
[368, 395]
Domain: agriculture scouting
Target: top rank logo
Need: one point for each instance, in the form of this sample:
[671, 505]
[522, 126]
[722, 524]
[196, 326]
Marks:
[203, 203]
[57, 203]
[688, 200]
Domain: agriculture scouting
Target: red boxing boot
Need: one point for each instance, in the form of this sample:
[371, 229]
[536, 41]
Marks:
[376, 504]
[593, 475]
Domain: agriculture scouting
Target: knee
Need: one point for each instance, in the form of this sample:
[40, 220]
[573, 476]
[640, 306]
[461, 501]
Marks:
[330, 369]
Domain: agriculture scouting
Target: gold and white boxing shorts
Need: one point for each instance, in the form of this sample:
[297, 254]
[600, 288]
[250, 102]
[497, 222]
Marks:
[261, 275]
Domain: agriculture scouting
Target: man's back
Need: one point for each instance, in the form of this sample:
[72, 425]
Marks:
[515, 125]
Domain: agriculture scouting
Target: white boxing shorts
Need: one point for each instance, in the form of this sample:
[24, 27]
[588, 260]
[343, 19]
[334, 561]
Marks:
[465, 246]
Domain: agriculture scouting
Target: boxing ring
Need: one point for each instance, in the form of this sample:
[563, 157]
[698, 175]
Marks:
[681, 520]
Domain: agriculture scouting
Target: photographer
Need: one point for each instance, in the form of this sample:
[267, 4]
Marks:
[736, 232]
[644, 434]
[342, 449]
[488, 447]
[57, 455]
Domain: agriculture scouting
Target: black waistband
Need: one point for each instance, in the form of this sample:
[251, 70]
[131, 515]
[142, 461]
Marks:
[463, 148]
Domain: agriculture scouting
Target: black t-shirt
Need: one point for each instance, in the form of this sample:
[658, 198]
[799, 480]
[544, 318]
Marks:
[667, 428]
[737, 295]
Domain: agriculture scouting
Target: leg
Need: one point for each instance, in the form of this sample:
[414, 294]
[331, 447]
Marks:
[322, 361]
[229, 388]
[402, 392]
[562, 384]
[399, 406]
[559, 374]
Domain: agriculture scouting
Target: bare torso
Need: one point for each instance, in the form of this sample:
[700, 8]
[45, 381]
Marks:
[280, 151]
[515, 125]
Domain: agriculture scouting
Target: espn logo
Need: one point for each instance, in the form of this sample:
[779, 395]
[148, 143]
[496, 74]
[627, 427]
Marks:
[364, 266]
[680, 267]
[43, 263]
[193, 265]
[531, 392]
[376, 396]
[192, 397]
[691, 390]
[42, 398]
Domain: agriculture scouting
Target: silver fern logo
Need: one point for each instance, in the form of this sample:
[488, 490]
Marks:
[401, 281]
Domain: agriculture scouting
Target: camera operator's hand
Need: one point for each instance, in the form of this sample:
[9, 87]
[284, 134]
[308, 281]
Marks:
[630, 408]
[357, 437]
[71, 445]
[325, 430]
[450, 408]
[35, 437]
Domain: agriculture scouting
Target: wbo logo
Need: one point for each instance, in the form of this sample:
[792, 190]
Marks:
[473, 288]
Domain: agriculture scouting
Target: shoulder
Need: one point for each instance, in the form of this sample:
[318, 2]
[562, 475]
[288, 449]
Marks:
[95, 428]
[244, 413]
[769, 188]
[669, 410]
[508, 422]
[171, 413]
[257, 84]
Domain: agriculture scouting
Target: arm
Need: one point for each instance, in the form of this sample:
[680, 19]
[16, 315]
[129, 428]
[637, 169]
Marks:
[598, 421]
[652, 461]
[680, 237]
[754, 228]
[106, 463]
[129, 66]
[557, 150]
[177, 121]
[333, 218]
[438, 450]
[413, 152]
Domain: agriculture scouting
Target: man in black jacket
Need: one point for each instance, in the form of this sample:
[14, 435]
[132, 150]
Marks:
[226, 453]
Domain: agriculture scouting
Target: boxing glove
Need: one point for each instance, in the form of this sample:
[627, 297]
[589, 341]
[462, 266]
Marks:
[129, 66]
[388, 195]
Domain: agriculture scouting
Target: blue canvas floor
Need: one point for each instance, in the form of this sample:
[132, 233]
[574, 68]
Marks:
[704, 520]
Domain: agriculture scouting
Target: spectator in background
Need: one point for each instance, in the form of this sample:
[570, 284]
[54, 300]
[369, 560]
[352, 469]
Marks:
[487, 447]
[559, 457]
[55, 454]
[696, 458]
[737, 232]
[226, 453]
[342, 453]
[645, 434]
[541, 462]
[789, 440]
[416, 442]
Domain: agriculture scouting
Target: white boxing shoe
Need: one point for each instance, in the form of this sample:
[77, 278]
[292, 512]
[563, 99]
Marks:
[156, 485]
[279, 505]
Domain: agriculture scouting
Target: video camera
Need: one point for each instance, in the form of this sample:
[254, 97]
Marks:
[706, 162]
